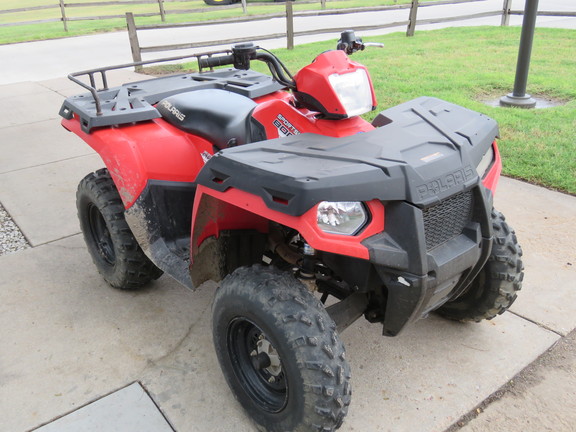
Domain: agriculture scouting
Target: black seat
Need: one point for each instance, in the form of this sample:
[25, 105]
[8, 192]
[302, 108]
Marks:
[222, 117]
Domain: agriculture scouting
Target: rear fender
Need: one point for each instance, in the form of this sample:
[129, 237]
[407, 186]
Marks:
[135, 154]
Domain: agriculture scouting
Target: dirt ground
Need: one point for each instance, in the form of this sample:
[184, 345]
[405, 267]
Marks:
[548, 386]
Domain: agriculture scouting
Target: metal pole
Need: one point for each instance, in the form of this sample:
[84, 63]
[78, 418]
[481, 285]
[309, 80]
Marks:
[519, 98]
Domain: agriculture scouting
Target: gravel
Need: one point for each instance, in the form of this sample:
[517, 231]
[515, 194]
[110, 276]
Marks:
[11, 238]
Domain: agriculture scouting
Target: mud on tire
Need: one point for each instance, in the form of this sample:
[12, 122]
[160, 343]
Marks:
[279, 351]
[495, 288]
[113, 248]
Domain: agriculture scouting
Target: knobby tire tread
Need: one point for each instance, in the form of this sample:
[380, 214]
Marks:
[496, 286]
[132, 268]
[312, 337]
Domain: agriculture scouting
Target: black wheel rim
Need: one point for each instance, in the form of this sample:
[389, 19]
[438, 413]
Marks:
[101, 235]
[257, 365]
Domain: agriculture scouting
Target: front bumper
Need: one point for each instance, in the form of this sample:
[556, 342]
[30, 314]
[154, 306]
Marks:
[422, 268]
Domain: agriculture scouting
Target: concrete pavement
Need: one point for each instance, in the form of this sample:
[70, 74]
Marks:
[67, 339]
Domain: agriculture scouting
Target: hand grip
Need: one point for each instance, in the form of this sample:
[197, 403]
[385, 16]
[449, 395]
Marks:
[210, 62]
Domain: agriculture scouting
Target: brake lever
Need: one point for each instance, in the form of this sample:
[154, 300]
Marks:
[374, 44]
[350, 44]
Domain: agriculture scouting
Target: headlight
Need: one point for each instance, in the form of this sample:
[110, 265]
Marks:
[354, 91]
[485, 162]
[341, 217]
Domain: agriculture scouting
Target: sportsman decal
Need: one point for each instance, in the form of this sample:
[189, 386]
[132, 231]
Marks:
[285, 128]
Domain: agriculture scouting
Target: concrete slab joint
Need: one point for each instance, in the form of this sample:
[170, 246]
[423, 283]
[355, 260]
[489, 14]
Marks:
[128, 410]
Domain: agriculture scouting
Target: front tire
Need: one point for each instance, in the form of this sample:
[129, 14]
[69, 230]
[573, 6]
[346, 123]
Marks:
[279, 351]
[495, 288]
[114, 250]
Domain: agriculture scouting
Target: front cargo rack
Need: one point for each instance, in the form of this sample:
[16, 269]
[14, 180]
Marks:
[134, 102]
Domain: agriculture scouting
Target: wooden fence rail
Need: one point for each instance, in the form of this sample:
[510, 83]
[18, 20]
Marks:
[506, 12]
[137, 50]
[65, 19]
[162, 11]
[290, 33]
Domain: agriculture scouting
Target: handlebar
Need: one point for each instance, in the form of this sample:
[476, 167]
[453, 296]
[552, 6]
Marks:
[243, 53]
[240, 58]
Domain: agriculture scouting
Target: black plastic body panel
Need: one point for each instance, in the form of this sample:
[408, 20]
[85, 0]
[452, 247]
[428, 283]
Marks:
[419, 280]
[426, 152]
[133, 102]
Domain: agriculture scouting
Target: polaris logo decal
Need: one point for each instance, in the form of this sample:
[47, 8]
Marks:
[173, 110]
[285, 128]
[442, 184]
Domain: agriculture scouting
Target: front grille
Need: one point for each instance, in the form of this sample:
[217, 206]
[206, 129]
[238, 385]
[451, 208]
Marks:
[447, 220]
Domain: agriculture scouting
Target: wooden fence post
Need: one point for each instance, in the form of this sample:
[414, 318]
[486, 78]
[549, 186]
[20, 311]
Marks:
[412, 19]
[162, 11]
[63, 12]
[134, 44]
[506, 13]
[289, 25]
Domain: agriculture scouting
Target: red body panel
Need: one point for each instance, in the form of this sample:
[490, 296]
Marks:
[279, 117]
[140, 152]
[156, 150]
[235, 209]
[313, 79]
[244, 210]
[137, 153]
[491, 179]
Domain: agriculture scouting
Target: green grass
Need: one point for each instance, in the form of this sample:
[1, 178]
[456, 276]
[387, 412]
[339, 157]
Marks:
[466, 66]
[41, 31]
[470, 65]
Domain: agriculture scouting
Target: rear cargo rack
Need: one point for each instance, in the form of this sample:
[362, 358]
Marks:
[134, 102]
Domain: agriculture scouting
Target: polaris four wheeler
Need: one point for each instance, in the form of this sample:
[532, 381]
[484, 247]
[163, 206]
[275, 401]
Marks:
[276, 187]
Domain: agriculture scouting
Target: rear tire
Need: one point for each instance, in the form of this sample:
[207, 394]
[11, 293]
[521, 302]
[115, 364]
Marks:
[495, 288]
[279, 351]
[113, 248]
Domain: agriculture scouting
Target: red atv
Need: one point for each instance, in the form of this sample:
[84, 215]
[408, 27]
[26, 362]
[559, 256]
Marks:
[275, 186]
